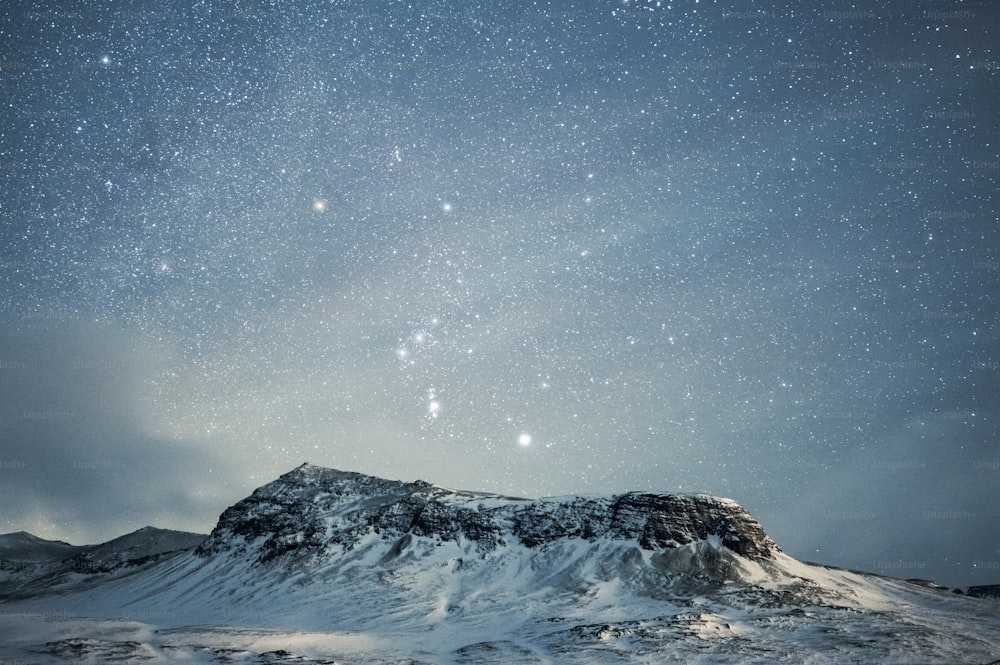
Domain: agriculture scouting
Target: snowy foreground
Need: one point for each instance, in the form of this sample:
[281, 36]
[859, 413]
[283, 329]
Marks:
[899, 626]
[326, 567]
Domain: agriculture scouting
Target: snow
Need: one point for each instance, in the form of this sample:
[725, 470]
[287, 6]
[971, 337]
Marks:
[386, 597]
[575, 602]
[26, 639]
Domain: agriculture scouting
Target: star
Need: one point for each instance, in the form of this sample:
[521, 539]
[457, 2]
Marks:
[594, 235]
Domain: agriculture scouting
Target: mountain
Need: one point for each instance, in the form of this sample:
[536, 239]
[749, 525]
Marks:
[31, 566]
[22, 547]
[323, 565]
[24, 557]
[312, 508]
[135, 548]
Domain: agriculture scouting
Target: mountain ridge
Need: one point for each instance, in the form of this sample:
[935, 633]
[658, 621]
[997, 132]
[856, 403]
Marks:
[21, 546]
[30, 565]
[333, 506]
[324, 565]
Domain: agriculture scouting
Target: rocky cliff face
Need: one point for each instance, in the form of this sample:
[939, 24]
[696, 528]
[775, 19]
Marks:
[311, 509]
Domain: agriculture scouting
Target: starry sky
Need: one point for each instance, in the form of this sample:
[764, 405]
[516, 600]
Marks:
[536, 248]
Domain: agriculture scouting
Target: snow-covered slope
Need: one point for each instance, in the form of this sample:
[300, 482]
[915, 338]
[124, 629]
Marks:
[324, 565]
[30, 566]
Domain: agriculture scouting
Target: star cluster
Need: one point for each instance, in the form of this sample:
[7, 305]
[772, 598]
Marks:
[532, 248]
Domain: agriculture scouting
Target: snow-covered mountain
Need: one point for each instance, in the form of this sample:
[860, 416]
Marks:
[32, 567]
[22, 547]
[312, 509]
[324, 565]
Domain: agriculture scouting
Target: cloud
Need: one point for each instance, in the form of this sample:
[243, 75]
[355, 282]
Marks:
[918, 503]
[78, 459]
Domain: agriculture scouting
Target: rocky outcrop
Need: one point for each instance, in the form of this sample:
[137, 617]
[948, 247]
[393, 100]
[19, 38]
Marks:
[984, 591]
[312, 508]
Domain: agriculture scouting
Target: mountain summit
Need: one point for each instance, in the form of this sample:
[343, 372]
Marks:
[311, 509]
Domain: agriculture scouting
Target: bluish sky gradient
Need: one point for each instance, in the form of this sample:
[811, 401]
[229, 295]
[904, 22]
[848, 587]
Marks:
[539, 248]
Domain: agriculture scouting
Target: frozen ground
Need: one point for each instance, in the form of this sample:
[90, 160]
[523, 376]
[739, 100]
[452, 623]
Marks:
[442, 620]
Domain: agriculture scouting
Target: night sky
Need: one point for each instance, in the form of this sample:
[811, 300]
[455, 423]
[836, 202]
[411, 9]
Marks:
[743, 248]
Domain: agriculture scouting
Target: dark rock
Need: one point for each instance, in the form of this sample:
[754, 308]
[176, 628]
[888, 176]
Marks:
[313, 508]
[984, 591]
